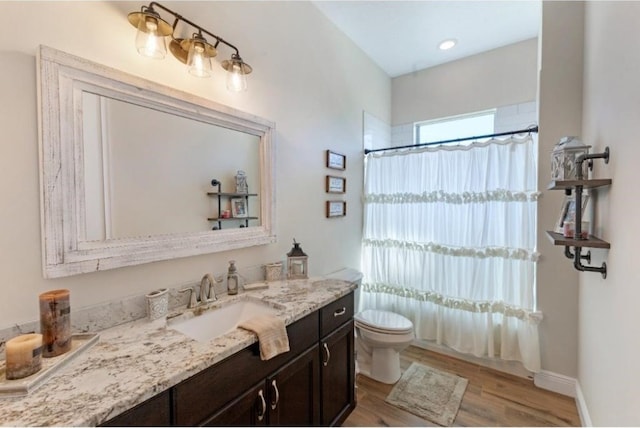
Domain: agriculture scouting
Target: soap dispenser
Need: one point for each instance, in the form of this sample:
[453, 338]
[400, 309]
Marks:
[232, 278]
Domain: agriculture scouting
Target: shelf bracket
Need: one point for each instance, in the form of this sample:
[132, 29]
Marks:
[577, 255]
[568, 254]
[578, 218]
[217, 183]
[577, 263]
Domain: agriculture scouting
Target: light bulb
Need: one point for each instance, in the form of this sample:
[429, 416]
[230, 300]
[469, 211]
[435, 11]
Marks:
[148, 42]
[198, 62]
[236, 79]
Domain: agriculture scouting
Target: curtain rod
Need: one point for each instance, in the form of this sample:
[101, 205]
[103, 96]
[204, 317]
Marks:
[478, 137]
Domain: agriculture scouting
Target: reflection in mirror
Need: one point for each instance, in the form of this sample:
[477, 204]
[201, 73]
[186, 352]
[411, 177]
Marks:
[127, 164]
[148, 172]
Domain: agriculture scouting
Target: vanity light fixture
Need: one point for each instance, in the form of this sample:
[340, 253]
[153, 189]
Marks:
[196, 52]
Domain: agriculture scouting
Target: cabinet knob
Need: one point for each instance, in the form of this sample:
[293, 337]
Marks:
[340, 312]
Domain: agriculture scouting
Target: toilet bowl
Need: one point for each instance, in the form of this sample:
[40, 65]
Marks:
[380, 337]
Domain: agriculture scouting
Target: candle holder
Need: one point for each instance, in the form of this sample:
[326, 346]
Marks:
[297, 262]
[564, 159]
[55, 322]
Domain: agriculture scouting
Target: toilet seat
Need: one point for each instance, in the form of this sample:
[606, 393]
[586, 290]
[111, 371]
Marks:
[383, 322]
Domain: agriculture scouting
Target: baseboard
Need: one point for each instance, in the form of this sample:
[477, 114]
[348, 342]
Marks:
[512, 367]
[566, 386]
[585, 419]
[555, 382]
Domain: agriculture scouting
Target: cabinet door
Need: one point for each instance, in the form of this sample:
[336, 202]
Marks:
[337, 375]
[294, 391]
[250, 409]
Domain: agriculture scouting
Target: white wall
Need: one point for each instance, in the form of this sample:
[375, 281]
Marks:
[560, 107]
[507, 118]
[609, 344]
[500, 77]
[308, 78]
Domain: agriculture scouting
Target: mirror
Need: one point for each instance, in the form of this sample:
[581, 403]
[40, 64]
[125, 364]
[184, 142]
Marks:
[126, 170]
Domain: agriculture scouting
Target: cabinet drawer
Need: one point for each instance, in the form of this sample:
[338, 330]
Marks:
[199, 397]
[335, 314]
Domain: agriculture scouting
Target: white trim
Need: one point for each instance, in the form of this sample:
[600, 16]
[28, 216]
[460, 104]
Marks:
[555, 382]
[581, 403]
[511, 367]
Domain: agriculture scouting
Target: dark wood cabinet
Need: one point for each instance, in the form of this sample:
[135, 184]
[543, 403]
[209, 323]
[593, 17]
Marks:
[294, 392]
[155, 412]
[288, 397]
[250, 409]
[337, 368]
[337, 375]
[312, 384]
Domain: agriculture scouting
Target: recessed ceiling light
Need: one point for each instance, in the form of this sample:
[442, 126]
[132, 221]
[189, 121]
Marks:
[447, 44]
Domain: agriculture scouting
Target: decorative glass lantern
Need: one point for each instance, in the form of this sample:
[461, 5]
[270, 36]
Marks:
[297, 267]
[563, 159]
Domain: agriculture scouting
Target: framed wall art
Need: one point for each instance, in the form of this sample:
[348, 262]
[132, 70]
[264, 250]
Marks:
[238, 207]
[336, 209]
[336, 160]
[336, 184]
[568, 210]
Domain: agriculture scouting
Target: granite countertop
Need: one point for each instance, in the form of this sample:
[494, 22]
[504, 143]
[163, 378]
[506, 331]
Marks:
[133, 362]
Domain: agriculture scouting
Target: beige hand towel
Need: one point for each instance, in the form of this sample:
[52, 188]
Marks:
[272, 335]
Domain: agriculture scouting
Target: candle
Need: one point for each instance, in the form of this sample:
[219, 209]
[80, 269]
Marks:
[55, 322]
[23, 355]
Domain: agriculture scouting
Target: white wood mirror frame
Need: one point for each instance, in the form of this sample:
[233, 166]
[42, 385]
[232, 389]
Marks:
[62, 78]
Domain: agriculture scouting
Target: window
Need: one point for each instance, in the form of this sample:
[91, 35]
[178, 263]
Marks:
[449, 128]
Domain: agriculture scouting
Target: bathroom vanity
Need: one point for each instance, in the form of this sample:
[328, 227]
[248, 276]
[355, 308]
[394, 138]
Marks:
[147, 373]
[312, 384]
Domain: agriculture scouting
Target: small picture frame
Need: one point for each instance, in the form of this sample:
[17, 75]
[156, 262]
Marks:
[568, 210]
[336, 209]
[336, 184]
[239, 207]
[336, 160]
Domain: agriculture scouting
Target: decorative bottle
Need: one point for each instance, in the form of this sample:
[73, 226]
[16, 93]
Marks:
[232, 278]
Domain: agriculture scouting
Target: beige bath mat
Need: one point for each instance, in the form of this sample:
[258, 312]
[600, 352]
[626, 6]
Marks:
[429, 393]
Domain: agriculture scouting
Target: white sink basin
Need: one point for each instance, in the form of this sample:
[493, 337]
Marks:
[216, 322]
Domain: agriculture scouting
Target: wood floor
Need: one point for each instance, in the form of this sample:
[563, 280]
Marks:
[492, 398]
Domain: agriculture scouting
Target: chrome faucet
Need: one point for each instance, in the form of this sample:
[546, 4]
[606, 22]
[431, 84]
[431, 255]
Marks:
[207, 290]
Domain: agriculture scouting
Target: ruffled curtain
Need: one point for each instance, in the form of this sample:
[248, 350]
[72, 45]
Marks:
[450, 242]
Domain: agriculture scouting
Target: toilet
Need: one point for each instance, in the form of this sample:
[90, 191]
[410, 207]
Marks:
[380, 337]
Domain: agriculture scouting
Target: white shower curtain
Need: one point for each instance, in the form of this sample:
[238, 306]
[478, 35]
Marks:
[450, 242]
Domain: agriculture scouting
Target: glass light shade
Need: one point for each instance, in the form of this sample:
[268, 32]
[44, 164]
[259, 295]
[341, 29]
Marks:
[236, 80]
[198, 62]
[149, 41]
[237, 71]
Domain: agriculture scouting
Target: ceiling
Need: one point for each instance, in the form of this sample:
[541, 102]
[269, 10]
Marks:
[403, 36]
